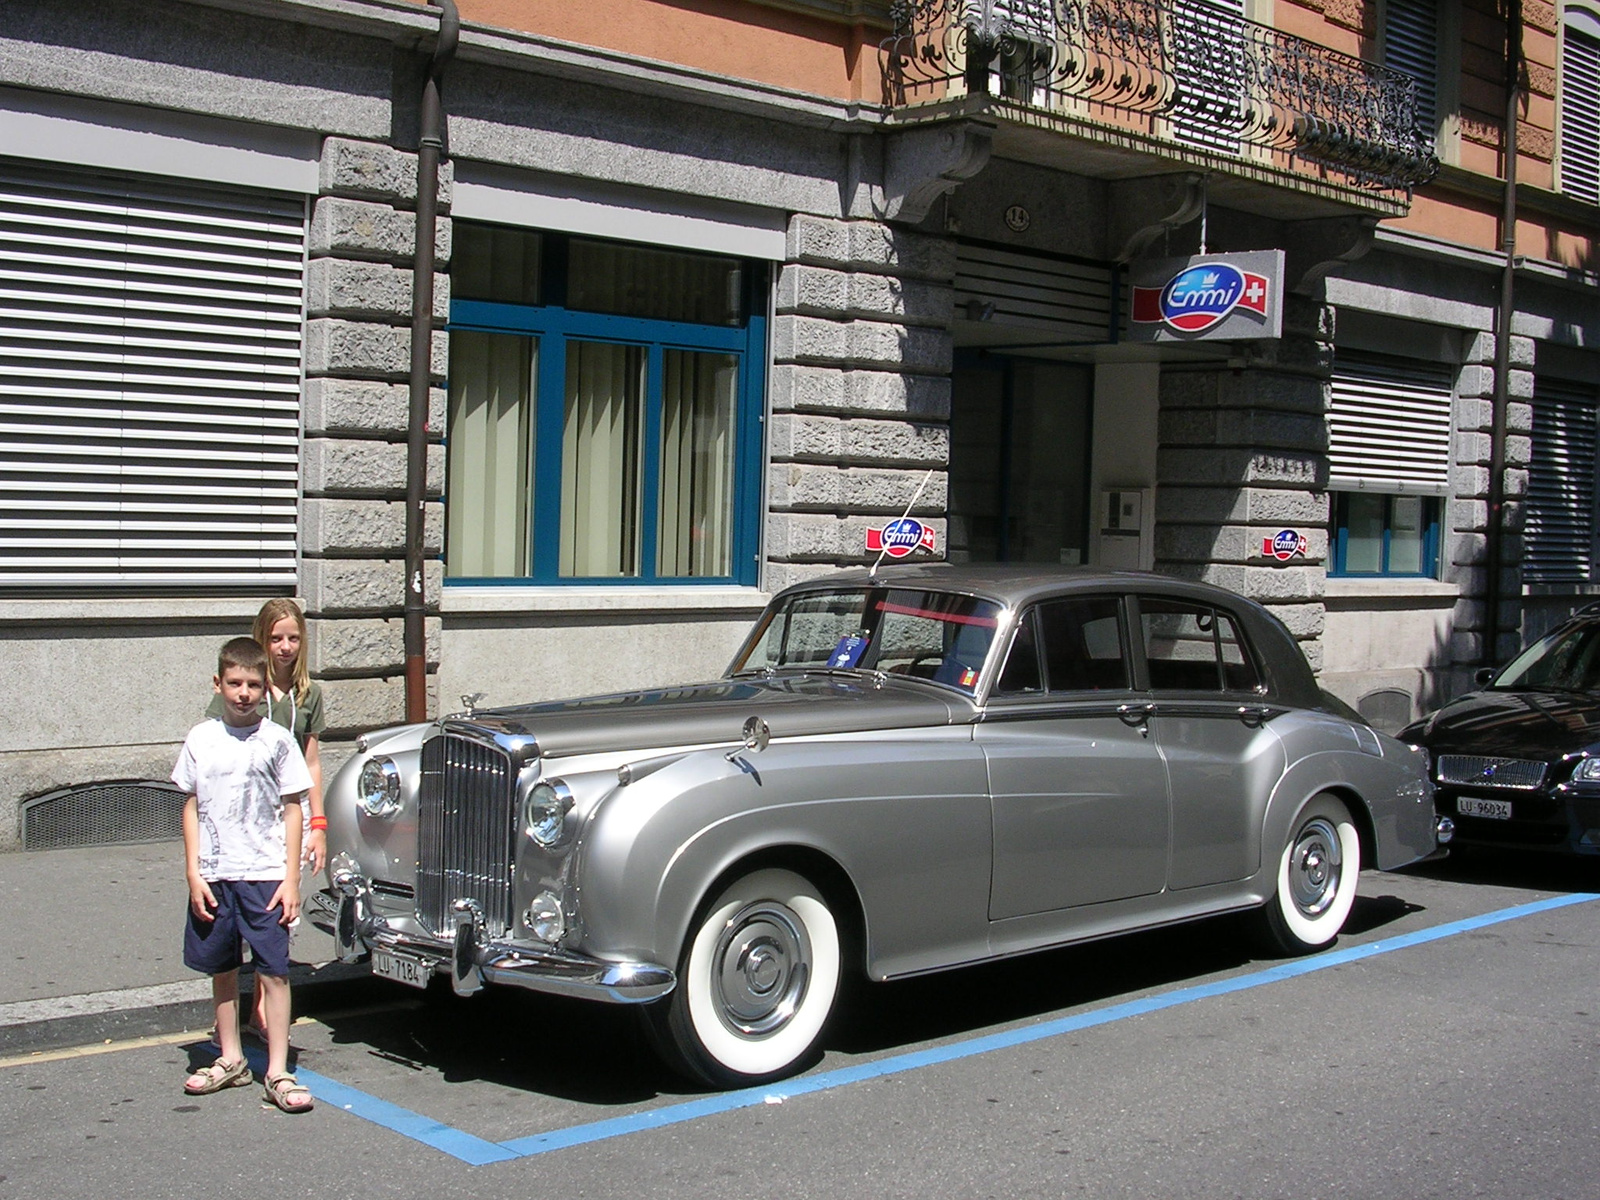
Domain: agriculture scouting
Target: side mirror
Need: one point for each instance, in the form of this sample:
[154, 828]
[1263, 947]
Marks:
[1483, 675]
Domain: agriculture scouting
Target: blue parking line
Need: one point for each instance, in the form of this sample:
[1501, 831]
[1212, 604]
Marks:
[477, 1151]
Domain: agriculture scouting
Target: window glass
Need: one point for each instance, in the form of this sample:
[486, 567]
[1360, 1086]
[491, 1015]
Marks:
[601, 464]
[1021, 672]
[1378, 534]
[491, 262]
[1363, 532]
[1193, 648]
[668, 285]
[490, 454]
[699, 417]
[1082, 648]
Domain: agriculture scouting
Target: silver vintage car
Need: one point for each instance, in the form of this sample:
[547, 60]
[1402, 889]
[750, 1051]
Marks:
[904, 770]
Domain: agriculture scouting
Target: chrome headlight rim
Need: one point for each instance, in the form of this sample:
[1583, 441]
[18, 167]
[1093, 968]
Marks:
[544, 812]
[378, 787]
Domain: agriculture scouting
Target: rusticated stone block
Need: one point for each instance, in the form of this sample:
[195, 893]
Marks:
[870, 245]
[338, 347]
[1304, 620]
[363, 229]
[1276, 507]
[1241, 427]
[364, 468]
[347, 287]
[342, 586]
[819, 537]
[361, 406]
[819, 291]
[1238, 467]
[780, 575]
[858, 441]
[1267, 584]
[363, 528]
[365, 646]
[373, 170]
[796, 388]
[829, 488]
[356, 706]
[860, 343]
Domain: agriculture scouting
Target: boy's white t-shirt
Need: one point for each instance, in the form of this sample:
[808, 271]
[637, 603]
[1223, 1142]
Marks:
[239, 776]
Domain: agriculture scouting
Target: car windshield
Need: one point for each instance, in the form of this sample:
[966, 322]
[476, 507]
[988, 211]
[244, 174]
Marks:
[1568, 661]
[937, 636]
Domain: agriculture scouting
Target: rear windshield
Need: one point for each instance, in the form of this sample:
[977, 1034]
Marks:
[938, 636]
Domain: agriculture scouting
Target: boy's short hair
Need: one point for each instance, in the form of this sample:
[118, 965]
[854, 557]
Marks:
[244, 653]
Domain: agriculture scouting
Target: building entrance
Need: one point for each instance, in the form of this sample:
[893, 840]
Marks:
[1019, 460]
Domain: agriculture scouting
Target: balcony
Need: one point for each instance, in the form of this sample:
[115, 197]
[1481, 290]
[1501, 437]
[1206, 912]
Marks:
[1139, 86]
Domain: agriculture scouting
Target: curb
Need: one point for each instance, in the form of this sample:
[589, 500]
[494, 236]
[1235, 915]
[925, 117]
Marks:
[33, 1026]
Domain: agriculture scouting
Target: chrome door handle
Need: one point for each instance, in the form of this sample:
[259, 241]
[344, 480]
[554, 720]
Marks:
[1135, 714]
[1254, 715]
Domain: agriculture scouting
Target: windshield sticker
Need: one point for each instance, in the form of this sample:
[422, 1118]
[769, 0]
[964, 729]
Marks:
[848, 652]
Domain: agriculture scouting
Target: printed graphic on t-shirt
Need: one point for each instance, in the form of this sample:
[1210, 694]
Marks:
[239, 777]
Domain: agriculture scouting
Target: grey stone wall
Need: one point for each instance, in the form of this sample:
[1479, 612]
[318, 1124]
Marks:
[357, 356]
[1243, 454]
[860, 391]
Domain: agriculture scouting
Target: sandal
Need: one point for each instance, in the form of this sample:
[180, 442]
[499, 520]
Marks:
[289, 1094]
[220, 1074]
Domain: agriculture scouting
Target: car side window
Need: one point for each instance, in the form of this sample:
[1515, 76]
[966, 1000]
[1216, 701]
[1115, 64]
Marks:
[1082, 644]
[1021, 672]
[1192, 647]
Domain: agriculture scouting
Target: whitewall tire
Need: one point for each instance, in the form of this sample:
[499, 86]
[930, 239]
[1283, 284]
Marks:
[1316, 878]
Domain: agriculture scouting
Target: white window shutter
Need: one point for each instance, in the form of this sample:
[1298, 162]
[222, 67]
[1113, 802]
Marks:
[1389, 426]
[150, 363]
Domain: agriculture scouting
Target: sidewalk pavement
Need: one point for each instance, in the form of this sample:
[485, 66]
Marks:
[91, 949]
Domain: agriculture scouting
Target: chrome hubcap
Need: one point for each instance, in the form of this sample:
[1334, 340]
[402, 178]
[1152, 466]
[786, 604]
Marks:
[1315, 864]
[760, 969]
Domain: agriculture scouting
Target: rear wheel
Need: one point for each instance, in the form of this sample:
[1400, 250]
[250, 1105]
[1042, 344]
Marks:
[1317, 874]
[757, 982]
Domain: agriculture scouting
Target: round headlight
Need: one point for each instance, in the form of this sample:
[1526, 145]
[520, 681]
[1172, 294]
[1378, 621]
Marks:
[378, 789]
[544, 814]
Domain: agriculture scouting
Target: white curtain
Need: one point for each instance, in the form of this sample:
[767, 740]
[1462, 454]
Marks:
[490, 466]
[602, 460]
[695, 528]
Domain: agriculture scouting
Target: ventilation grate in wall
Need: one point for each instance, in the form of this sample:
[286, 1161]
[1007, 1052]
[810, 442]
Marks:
[103, 814]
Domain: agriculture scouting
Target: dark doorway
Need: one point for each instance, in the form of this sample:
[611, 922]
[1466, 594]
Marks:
[1019, 460]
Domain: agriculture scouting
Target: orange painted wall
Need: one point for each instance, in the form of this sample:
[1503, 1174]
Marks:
[727, 37]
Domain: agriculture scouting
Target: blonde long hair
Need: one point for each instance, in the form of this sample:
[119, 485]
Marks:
[271, 613]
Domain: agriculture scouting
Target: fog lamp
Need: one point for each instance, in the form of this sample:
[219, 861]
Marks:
[545, 918]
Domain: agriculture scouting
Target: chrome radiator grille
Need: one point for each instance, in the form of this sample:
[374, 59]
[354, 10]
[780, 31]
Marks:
[465, 832]
[1476, 770]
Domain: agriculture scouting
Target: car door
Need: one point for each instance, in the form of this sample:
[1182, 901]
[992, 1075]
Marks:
[1078, 788]
[1210, 720]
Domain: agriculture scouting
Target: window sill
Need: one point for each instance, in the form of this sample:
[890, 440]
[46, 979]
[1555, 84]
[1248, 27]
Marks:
[80, 610]
[510, 599]
[1389, 589]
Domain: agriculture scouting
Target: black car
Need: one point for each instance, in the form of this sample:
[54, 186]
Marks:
[1517, 763]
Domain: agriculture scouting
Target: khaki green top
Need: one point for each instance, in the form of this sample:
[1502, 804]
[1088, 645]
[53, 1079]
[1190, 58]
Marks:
[303, 720]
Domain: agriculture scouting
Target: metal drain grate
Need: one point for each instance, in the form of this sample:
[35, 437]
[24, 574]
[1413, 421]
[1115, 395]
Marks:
[103, 814]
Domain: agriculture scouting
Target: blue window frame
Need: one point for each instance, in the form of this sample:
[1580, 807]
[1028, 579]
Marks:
[605, 408]
[1378, 534]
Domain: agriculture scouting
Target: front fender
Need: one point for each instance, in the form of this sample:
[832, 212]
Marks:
[905, 819]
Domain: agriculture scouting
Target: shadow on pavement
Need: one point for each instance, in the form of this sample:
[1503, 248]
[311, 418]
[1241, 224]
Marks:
[1521, 869]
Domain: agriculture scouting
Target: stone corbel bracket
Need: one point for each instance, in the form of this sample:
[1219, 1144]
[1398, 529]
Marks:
[1316, 247]
[923, 163]
[1141, 210]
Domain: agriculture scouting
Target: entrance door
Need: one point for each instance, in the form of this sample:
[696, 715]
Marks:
[1019, 460]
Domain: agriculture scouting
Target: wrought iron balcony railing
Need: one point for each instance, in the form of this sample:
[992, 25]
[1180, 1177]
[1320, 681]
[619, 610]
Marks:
[1189, 71]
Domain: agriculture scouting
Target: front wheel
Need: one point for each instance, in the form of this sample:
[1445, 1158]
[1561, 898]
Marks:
[1317, 875]
[757, 982]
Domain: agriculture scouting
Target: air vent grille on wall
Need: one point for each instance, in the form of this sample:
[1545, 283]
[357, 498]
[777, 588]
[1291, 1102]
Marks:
[103, 814]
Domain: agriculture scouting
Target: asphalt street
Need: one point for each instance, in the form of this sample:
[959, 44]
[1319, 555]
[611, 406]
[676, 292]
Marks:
[1448, 1045]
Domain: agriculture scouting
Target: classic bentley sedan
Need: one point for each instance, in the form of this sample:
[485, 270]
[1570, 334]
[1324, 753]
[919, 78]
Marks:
[903, 771]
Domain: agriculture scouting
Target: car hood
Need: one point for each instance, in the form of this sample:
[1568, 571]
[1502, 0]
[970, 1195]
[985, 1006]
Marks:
[1531, 724]
[792, 705]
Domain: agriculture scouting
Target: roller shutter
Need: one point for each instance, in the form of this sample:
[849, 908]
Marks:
[1579, 126]
[1411, 45]
[1558, 530]
[150, 362]
[1389, 425]
[1065, 301]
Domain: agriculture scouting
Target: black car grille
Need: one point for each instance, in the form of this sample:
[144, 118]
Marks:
[465, 832]
[1477, 770]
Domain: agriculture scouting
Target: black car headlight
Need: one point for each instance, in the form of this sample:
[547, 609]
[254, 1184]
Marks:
[1587, 771]
[378, 788]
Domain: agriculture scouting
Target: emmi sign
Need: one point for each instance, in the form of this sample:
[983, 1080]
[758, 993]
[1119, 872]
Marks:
[1226, 296]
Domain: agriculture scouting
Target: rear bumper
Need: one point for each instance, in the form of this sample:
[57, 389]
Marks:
[472, 959]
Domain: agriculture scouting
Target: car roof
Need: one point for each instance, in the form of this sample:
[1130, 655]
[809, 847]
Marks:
[1015, 584]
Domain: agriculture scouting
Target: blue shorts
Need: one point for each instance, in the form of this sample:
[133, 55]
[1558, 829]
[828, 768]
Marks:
[216, 947]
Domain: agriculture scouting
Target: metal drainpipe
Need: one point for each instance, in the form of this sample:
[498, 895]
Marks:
[1502, 341]
[430, 147]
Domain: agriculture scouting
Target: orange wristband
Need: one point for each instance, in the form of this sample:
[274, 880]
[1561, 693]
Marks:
[319, 822]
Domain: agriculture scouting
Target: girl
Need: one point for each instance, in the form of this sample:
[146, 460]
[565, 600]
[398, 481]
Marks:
[295, 702]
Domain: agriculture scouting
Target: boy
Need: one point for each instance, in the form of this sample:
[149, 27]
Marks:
[246, 780]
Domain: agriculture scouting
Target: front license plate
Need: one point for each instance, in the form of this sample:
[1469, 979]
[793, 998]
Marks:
[1495, 810]
[402, 970]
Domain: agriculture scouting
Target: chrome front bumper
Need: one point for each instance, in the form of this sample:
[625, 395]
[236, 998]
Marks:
[471, 959]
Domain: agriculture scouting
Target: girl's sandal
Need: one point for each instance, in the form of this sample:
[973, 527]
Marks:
[220, 1074]
[289, 1094]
